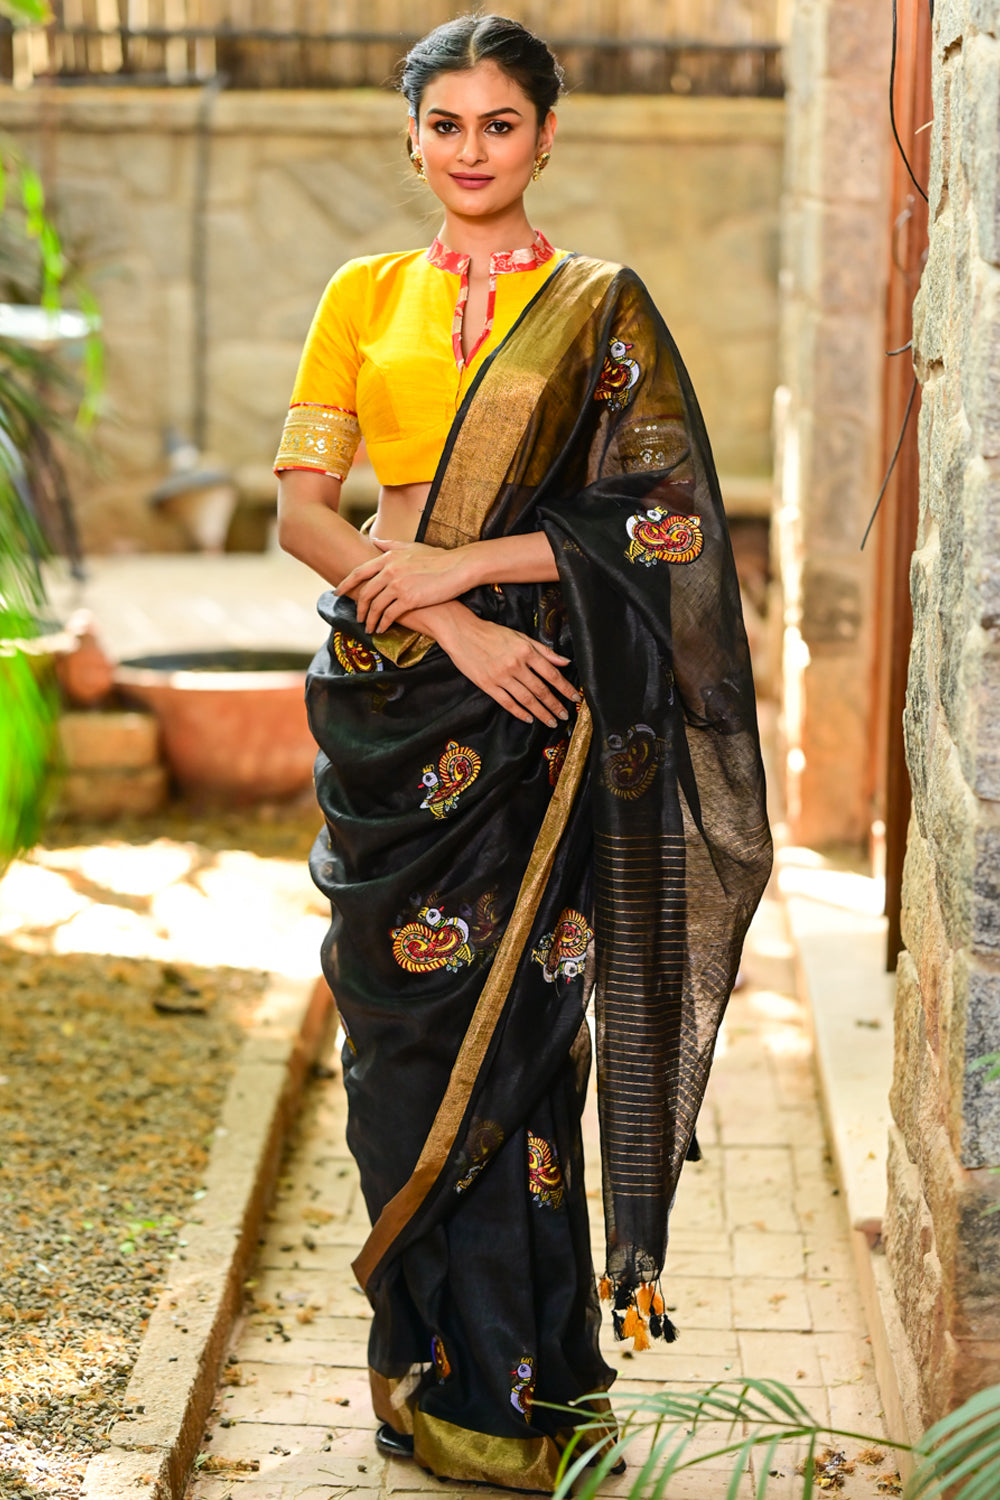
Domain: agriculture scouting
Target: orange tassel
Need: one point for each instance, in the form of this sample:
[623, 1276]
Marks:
[604, 1288]
[658, 1305]
[631, 1324]
[641, 1338]
[644, 1298]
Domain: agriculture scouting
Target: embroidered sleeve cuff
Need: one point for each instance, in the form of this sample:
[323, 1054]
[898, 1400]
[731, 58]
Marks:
[319, 437]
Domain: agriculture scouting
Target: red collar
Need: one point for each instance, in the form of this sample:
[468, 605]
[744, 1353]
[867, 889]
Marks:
[537, 253]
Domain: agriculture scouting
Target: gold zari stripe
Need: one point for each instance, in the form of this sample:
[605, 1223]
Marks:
[475, 1044]
[319, 437]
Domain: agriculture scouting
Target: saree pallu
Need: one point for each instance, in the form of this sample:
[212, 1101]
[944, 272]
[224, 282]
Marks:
[485, 874]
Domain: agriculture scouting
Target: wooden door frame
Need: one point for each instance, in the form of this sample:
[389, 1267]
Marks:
[896, 526]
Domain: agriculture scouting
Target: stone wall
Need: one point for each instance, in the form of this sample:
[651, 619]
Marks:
[943, 1251]
[828, 412]
[685, 190]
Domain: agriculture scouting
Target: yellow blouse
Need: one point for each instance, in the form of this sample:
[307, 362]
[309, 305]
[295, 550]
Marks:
[383, 358]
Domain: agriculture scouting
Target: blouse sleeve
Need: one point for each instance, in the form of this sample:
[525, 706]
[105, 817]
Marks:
[321, 430]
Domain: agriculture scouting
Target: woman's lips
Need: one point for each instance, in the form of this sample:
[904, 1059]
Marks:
[470, 182]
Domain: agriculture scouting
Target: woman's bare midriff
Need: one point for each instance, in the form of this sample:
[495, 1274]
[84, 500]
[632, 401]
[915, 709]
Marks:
[400, 507]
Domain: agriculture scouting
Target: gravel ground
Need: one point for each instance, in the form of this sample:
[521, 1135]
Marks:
[112, 1074]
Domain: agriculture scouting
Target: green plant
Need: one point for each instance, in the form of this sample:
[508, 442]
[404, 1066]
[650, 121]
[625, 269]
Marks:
[41, 398]
[959, 1457]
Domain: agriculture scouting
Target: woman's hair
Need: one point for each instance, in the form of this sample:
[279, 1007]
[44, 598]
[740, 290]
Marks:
[459, 45]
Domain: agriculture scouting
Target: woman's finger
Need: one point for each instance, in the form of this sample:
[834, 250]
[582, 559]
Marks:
[360, 574]
[510, 704]
[528, 699]
[367, 602]
[377, 606]
[390, 613]
[554, 678]
[539, 689]
[387, 543]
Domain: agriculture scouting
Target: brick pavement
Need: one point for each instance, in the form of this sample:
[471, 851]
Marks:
[759, 1277]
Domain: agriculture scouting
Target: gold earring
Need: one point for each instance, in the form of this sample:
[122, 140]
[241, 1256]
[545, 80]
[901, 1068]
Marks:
[540, 165]
[417, 163]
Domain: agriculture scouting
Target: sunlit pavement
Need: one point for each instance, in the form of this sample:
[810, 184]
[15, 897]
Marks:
[169, 900]
[759, 1277]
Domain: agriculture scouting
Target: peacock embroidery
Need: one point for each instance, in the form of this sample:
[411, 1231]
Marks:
[354, 656]
[630, 761]
[562, 952]
[545, 1181]
[619, 375]
[522, 1386]
[484, 1138]
[556, 757]
[456, 770]
[658, 535]
[432, 941]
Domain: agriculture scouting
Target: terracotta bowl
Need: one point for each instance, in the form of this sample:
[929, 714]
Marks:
[233, 722]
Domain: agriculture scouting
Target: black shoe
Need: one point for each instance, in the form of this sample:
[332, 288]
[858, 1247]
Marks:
[618, 1468]
[392, 1443]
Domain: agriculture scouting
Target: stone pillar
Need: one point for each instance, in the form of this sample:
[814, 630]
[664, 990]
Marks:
[828, 411]
[943, 1249]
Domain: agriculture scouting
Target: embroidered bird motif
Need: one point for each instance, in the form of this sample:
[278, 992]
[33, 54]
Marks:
[630, 761]
[658, 535]
[354, 656]
[556, 757]
[432, 941]
[544, 1173]
[618, 375]
[522, 1386]
[485, 920]
[456, 770]
[562, 952]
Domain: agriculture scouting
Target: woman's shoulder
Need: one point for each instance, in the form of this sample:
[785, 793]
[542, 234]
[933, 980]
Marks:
[367, 268]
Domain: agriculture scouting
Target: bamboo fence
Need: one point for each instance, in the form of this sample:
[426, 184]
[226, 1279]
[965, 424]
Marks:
[612, 46]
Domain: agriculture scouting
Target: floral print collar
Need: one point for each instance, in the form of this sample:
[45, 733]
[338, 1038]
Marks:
[537, 254]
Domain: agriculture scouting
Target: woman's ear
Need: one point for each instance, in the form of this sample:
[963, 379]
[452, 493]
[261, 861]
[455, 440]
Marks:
[411, 126]
[547, 133]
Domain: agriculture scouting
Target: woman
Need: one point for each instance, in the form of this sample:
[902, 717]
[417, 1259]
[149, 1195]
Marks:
[539, 768]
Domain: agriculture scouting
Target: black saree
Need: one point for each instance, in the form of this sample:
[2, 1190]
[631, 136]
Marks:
[484, 874]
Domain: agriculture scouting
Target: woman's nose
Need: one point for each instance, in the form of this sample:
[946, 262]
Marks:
[471, 151]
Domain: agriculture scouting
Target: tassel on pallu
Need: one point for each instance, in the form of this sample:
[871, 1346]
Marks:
[638, 1313]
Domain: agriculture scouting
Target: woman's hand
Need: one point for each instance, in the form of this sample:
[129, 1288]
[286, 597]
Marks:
[520, 673]
[408, 575]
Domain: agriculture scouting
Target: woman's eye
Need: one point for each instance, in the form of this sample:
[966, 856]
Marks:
[444, 127]
[499, 127]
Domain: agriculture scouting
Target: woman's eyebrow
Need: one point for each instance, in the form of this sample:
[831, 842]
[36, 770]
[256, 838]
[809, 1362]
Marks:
[508, 109]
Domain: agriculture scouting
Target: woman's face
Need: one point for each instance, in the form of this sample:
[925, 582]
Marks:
[479, 137]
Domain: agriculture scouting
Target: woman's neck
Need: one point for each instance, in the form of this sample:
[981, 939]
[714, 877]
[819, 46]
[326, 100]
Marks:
[481, 238]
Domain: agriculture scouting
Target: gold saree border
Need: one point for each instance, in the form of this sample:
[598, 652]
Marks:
[503, 406]
[475, 1044]
[394, 1398]
[528, 1463]
[453, 1452]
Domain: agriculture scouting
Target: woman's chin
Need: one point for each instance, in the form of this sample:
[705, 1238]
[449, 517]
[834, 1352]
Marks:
[479, 203]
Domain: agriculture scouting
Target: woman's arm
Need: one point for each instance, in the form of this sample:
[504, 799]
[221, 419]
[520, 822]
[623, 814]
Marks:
[520, 674]
[408, 575]
[311, 529]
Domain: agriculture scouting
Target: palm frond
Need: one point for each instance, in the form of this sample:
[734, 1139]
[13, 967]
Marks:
[962, 1449]
[957, 1459]
[740, 1418]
